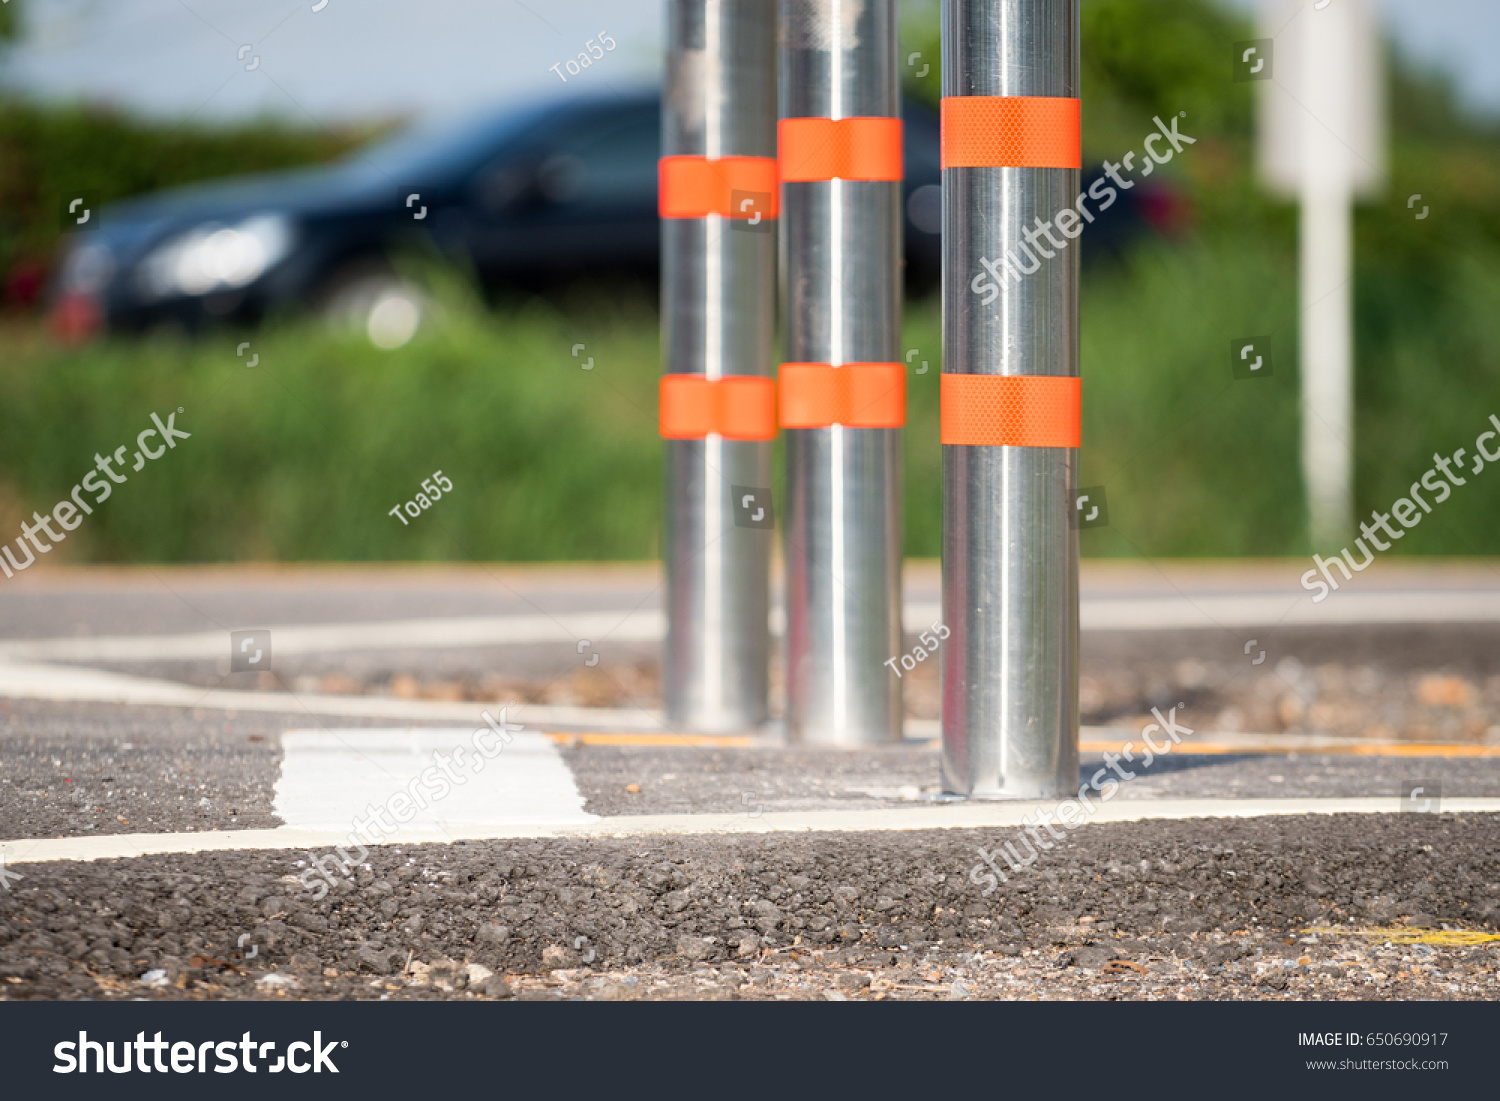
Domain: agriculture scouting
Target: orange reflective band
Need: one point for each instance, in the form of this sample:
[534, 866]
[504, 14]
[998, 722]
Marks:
[844, 149]
[694, 187]
[1011, 131]
[1011, 410]
[737, 407]
[859, 395]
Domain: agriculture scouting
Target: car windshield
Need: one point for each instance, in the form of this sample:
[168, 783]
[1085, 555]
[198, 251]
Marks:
[431, 151]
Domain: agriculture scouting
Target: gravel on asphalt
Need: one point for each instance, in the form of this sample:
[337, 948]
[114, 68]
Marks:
[77, 769]
[1208, 908]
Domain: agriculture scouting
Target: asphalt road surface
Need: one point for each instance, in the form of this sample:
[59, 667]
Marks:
[123, 722]
[1209, 908]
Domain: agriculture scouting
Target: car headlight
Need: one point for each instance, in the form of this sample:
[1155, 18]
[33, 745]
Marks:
[216, 257]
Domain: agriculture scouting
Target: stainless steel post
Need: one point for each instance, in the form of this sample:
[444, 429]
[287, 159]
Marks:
[718, 319]
[1010, 551]
[842, 256]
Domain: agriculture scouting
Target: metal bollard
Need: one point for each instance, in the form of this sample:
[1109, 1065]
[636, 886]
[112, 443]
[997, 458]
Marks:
[841, 229]
[718, 195]
[1010, 545]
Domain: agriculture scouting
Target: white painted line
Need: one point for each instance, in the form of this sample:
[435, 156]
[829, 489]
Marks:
[1261, 610]
[32, 681]
[976, 815]
[1003, 814]
[67, 682]
[400, 634]
[331, 778]
[1175, 612]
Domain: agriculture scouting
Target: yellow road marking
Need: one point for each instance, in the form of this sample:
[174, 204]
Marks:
[1355, 749]
[733, 741]
[1450, 937]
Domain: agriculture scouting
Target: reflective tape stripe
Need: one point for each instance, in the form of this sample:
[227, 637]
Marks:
[1011, 131]
[1011, 410]
[844, 149]
[859, 395]
[694, 187]
[737, 407]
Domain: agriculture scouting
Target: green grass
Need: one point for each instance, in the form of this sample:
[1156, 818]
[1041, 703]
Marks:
[302, 457]
[1197, 463]
[1193, 461]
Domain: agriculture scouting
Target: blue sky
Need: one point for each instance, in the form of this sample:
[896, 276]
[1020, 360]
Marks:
[351, 59]
[362, 58]
[1461, 36]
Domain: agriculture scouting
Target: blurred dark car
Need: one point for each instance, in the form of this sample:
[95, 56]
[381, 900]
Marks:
[554, 190]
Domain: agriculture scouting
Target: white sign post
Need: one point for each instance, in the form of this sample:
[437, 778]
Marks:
[1322, 141]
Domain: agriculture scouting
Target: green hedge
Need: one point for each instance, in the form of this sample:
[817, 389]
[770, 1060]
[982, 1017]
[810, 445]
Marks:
[49, 151]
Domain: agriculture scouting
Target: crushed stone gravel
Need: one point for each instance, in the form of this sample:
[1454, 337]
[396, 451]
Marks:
[1214, 909]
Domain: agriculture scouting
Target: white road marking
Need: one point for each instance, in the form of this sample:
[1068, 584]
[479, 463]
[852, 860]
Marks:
[34, 681]
[399, 634]
[67, 682]
[331, 778]
[976, 815]
[1258, 610]
[1153, 613]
